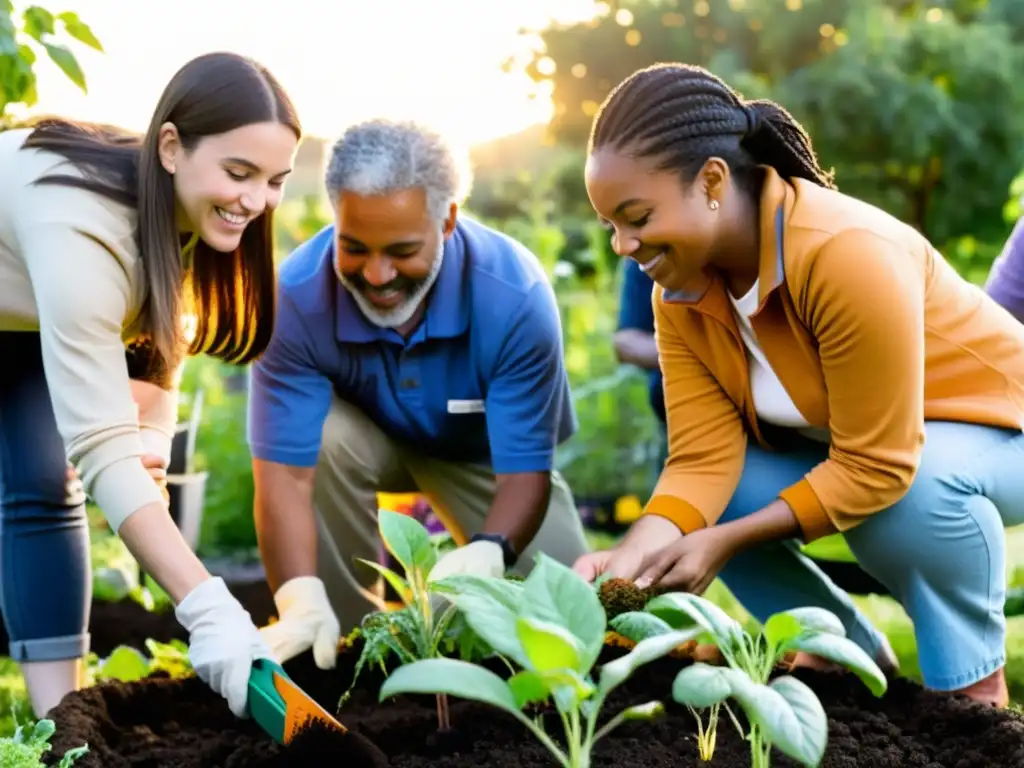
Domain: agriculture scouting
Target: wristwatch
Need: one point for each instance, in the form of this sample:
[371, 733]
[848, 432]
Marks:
[507, 550]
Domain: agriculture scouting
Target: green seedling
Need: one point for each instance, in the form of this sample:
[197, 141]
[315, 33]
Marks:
[128, 664]
[784, 713]
[25, 749]
[552, 626]
[425, 627]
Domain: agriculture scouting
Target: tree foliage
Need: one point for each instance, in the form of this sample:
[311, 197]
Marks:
[35, 28]
[915, 103]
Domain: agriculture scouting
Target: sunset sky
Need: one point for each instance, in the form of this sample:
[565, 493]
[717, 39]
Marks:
[341, 60]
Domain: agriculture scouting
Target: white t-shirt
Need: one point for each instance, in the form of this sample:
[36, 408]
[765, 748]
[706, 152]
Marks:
[771, 401]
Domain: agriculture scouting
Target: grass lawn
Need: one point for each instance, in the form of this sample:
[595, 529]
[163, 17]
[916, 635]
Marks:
[885, 613]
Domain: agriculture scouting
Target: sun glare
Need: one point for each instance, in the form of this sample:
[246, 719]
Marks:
[438, 61]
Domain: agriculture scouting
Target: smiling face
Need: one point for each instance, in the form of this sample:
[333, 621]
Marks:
[227, 180]
[668, 227]
[389, 252]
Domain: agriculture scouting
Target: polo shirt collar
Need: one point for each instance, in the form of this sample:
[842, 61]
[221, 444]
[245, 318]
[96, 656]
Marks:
[448, 302]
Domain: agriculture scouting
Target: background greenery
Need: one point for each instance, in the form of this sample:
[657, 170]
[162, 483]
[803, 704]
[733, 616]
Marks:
[916, 105]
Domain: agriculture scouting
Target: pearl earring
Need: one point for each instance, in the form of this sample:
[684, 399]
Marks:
[713, 205]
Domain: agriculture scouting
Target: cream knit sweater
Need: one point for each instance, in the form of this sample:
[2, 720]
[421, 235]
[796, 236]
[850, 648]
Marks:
[69, 270]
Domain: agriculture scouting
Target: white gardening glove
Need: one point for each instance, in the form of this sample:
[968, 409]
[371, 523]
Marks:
[304, 619]
[478, 558]
[223, 641]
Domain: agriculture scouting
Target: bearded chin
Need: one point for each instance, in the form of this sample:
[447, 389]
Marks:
[400, 315]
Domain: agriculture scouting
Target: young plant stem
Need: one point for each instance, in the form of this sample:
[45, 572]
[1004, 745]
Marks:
[706, 737]
[760, 751]
[544, 739]
[444, 723]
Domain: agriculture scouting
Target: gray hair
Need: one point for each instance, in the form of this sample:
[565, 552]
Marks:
[382, 156]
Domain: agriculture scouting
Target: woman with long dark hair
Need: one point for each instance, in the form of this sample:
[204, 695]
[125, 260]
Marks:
[117, 248]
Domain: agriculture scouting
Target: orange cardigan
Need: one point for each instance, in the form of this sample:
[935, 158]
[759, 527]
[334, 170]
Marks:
[870, 331]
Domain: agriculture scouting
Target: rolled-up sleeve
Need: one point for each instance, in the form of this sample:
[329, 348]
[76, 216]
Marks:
[82, 293]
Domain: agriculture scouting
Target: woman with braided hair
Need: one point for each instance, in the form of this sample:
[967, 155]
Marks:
[825, 370]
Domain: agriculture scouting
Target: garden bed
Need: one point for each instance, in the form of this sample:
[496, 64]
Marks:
[180, 723]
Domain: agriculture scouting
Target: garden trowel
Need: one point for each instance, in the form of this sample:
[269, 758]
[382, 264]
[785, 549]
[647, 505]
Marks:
[279, 706]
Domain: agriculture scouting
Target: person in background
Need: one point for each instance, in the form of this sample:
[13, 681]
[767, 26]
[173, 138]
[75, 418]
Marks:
[415, 350]
[825, 369]
[1005, 282]
[118, 252]
[635, 343]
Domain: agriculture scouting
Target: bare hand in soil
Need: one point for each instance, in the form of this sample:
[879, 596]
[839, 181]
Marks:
[690, 564]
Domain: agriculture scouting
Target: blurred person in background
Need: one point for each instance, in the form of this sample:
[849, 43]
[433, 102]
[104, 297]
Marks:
[825, 369]
[1005, 282]
[109, 242]
[415, 350]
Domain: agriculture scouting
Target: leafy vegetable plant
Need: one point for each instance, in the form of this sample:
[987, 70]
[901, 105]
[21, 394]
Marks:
[26, 747]
[424, 628]
[551, 625]
[784, 713]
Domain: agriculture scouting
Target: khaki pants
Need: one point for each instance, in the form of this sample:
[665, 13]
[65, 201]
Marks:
[357, 460]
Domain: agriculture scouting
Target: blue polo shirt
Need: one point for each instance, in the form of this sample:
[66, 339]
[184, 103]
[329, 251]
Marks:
[636, 312]
[482, 379]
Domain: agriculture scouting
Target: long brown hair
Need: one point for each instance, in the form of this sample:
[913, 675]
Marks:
[231, 295]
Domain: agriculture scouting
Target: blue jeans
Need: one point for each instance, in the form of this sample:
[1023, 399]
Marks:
[45, 576]
[940, 550]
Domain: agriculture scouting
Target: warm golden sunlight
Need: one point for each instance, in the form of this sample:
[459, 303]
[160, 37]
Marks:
[439, 61]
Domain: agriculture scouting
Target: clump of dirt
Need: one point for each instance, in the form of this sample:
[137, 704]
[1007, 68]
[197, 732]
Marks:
[621, 596]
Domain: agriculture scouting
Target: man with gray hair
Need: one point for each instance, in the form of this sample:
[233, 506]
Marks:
[415, 350]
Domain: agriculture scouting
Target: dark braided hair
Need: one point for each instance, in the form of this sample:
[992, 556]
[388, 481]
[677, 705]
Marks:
[680, 115]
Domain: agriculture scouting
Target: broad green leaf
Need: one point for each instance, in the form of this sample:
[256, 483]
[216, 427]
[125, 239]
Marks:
[407, 540]
[681, 609]
[601, 579]
[455, 678]
[818, 620]
[493, 622]
[528, 688]
[796, 735]
[813, 735]
[125, 664]
[781, 628]
[701, 685]
[505, 592]
[79, 30]
[555, 593]
[548, 646]
[639, 625]
[68, 64]
[845, 652]
[616, 672]
[400, 585]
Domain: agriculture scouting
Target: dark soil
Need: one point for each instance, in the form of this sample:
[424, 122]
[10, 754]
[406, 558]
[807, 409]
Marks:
[181, 723]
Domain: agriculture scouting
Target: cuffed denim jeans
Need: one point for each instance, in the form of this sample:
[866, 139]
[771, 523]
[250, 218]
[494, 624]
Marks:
[940, 550]
[45, 576]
